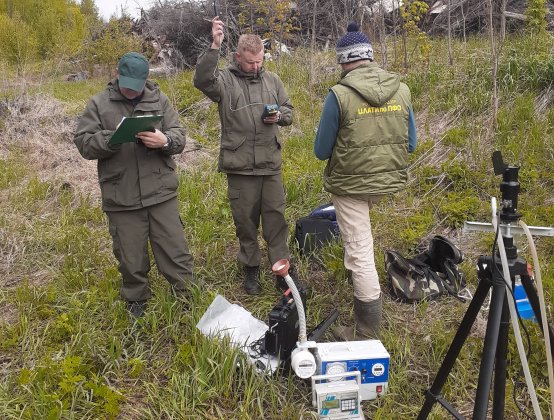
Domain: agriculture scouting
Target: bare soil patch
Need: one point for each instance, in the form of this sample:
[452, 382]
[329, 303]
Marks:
[8, 314]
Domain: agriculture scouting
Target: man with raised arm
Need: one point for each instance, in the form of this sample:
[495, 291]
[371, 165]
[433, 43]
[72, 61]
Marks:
[250, 150]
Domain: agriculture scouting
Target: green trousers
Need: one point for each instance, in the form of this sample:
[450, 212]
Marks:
[254, 198]
[132, 230]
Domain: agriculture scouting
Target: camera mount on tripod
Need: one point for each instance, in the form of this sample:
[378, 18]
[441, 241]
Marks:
[509, 187]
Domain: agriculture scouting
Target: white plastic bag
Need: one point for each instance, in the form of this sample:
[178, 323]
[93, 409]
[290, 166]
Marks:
[228, 319]
[224, 318]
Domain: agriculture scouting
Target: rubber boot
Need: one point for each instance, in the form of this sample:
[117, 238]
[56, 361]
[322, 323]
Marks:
[367, 322]
[252, 280]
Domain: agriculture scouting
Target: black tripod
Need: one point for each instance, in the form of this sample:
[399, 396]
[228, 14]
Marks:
[495, 347]
[496, 336]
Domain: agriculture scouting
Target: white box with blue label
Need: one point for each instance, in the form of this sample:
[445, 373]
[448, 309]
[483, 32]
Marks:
[369, 357]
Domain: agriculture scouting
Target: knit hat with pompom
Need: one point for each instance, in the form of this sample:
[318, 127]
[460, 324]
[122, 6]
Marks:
[354, 46]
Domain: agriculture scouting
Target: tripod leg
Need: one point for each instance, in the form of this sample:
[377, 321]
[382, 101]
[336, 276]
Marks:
[432, 394]
[489, 350]
[501, 363]
[534, 301]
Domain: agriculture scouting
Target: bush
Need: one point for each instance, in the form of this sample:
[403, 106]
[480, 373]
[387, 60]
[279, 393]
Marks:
[116, 39]
[18, 41]
[456, 208]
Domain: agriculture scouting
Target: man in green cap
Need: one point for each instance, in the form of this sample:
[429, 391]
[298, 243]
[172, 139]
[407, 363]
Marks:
[138, 180]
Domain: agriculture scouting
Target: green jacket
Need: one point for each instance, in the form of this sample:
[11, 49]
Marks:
[248, 146]
[131, 176]
[371, 152]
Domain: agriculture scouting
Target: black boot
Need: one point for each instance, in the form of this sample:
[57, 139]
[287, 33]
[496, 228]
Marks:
[136, 308]
[252, 280]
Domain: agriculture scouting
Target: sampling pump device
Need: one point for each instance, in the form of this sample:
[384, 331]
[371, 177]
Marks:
[347, 372]
[302, 359]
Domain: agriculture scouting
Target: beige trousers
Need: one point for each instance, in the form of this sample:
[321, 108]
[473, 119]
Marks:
[355, 229]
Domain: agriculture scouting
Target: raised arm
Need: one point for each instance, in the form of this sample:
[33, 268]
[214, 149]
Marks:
[206, 76]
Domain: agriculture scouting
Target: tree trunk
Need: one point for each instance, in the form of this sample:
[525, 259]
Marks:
[464, 24]
[503, 21]
[405, 44]
[382, 36]
[494, 62]
[395, 26]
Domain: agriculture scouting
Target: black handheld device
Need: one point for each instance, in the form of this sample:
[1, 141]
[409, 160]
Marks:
[270, 110]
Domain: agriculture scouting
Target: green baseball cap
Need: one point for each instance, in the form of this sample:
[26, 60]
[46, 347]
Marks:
[133, 71]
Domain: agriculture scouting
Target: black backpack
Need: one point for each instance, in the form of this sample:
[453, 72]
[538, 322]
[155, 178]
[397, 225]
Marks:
[317, 229]
[428, 275]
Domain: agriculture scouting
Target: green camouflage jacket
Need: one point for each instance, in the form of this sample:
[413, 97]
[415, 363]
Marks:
[131, 176]
[248, 146]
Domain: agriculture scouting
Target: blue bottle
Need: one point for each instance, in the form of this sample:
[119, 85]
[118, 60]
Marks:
[522, 302]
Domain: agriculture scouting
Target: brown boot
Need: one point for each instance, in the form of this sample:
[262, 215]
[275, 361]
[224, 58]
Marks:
[367, 322]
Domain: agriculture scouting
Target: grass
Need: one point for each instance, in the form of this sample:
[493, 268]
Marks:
[67, 346]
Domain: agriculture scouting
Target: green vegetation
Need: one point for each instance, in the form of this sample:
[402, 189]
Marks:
[59, 31]
[67, 346]
[58, 26]
[535, 17]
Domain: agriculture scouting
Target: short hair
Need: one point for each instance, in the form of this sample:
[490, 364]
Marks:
[251, 43]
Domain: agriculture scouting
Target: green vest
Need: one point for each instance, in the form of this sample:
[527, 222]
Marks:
[370, 155]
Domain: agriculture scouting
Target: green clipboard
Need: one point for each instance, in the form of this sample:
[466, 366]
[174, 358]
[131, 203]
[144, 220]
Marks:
[129, 127]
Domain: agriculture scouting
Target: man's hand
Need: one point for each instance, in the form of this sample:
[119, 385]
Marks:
[273, 118]
[152, 140]
[217, 33]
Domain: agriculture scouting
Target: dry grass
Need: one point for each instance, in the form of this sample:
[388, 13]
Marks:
[40, 126]
[8, 313]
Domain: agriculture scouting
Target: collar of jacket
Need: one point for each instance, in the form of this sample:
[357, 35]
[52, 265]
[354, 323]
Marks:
[237, 71]
[151, 92]
[370, 64]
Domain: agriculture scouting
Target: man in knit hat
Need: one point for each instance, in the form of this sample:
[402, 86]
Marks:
[365, 132]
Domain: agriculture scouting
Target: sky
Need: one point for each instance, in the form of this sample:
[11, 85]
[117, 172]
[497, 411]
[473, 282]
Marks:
[109, 7]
